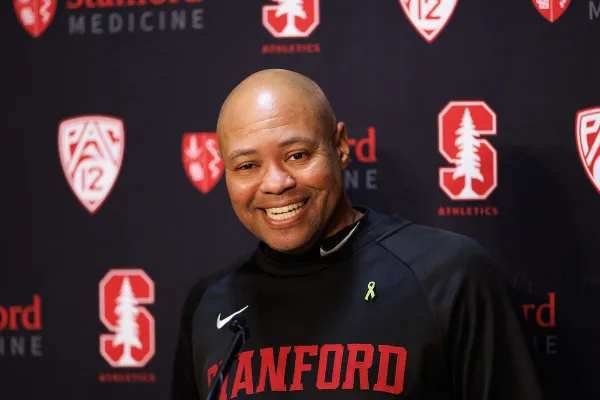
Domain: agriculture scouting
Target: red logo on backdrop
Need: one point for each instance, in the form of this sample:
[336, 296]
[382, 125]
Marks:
[132, 343]
[551, 9]
[29, 318]
[201, 160]
[428, 17]
[460, 126]
[291, 18]
[91, 152]
[35, 15]
[587, 133]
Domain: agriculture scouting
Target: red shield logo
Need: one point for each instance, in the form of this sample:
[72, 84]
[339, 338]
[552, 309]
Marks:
[460, 127]
[291, 18]
[132, 343]
[35, 15]
[587, 133]
[91, 152]
[428, 17]
[201, 160]
[551, 9]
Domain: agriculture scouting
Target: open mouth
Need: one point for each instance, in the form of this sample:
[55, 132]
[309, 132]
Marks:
[286, 212]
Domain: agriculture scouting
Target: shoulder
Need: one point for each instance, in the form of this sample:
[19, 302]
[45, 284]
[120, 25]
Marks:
[435, 254]
[199, 288]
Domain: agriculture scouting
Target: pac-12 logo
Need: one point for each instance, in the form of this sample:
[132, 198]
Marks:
[587, 132]
[201, 160]
[132, 343]
[551, 9]
[91, 152]
[35, 15]
[428, 17]
[460, 127]
[291, 18]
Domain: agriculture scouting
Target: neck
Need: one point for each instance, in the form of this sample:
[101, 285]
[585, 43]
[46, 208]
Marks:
[343, 216]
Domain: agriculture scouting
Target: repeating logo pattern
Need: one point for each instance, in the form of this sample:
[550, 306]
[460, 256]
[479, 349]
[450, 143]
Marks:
[428, 17]
[291, 18]
[201, 160]
[91, 153]
[460, 127]
[132, 343]
[35, 15]
[551, 9]
[587, 132]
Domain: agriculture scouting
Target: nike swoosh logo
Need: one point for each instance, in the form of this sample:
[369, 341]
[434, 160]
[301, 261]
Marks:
[222, 322]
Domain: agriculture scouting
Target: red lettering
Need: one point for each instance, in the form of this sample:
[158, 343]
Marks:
[105, 3]
[276, 374]
[90, 4]
[212, 372]
[539, 313]
[244, 370]
[300, 367]
[12, 318]
[398, 385]
[551, 306]
[369, 141]
[526, 308]
[338, 349]
[32, 314]
[3, 318]
[430, 15]
[157, 2]
[74, 4]
[361, 366]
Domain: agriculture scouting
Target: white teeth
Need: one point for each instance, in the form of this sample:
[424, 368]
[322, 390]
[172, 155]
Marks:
[281, 213]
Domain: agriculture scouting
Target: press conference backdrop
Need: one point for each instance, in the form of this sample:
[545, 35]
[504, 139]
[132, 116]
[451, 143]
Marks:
[480, 117]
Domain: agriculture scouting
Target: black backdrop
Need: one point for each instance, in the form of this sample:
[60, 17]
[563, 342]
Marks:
[384, 80]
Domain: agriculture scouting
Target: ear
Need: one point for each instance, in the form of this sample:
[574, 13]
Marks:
[341, 144]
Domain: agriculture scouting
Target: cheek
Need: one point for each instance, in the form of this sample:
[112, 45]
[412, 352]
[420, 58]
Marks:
[320, 175]
[241, 191]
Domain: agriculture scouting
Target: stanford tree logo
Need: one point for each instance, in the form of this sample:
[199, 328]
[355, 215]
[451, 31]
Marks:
[291, 18]
[460, 127]
[132, 341]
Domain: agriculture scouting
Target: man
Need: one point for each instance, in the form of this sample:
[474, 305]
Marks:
[342, 302]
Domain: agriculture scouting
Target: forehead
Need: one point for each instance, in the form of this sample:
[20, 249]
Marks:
[258, 126]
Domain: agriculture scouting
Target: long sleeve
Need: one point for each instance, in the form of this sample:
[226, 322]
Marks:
[490, 355]
[183, 383]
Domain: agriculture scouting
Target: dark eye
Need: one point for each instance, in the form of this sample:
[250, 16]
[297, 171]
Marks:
[297, 156]
[246, 166]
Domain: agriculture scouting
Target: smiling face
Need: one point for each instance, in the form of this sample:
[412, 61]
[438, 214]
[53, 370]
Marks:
[283, 165]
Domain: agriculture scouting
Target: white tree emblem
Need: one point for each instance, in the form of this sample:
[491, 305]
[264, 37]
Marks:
[468, 161]
[292, 9]
[127, 332]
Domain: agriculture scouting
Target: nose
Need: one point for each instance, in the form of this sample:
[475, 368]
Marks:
[276, 180]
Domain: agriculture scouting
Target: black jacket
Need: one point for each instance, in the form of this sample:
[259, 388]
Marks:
[441, 324]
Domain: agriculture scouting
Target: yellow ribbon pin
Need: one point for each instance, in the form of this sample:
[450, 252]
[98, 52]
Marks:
[371, 293]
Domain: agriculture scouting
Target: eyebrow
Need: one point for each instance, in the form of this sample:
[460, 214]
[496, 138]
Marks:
[289, 141]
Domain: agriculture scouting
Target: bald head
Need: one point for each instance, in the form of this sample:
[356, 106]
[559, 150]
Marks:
[283, 150]
[270, 93]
